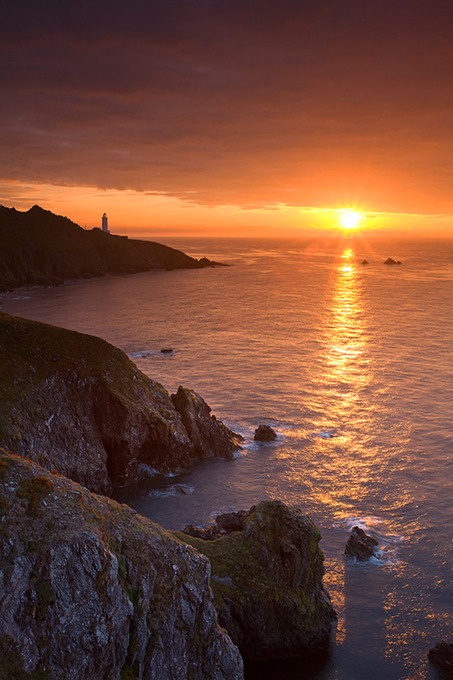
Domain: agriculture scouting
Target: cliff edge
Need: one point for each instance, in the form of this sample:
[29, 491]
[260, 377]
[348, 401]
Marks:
[39, 247]
[267, 580]
[76, 404]
[90, 590]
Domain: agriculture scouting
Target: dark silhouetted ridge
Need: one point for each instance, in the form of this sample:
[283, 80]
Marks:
[38, 247]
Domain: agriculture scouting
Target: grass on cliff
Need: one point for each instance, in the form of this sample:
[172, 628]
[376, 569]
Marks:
[31, 352]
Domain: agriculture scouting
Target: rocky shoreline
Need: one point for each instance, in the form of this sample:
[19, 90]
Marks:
[89, 589]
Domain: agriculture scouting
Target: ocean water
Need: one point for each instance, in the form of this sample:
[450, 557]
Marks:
[353, 366]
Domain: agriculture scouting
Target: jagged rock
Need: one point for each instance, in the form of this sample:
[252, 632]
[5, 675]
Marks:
[224, 524]
[265, 433]
[90, 590]
[442, 656]
[364, 262]
[231, 521]
[78, 405]
[208, 435]
[267, 582]
[390, 260]
[360, 545]
[208, 533]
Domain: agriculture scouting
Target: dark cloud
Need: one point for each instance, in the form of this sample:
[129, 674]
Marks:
[241, 102]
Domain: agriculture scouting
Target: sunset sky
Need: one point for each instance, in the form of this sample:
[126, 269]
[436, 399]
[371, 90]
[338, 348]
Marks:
[228, 117]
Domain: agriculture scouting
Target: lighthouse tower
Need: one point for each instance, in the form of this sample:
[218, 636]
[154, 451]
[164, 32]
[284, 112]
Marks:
[105, 223]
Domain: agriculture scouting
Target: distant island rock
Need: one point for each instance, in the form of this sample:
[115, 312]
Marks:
[78, 405]
[41, 248]
[265, 433]
[364, 262]
[390, 260]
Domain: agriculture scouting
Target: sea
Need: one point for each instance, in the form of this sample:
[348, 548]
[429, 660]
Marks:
[352, 365]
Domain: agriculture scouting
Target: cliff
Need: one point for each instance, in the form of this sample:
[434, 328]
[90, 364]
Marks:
[89, 590]
[39, 247]
[267, 580]
[78, 405]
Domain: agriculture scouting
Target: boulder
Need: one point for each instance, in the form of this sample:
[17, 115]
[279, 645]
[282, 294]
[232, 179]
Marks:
[78, 405]
[442, 656]
[364, 262]
[209, 436]
[267, 583]
[360, 545]
[223, 525]
[265, 433]
[89, 589]
[390, 260]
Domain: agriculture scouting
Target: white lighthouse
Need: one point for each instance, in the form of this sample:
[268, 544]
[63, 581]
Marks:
[105, 223]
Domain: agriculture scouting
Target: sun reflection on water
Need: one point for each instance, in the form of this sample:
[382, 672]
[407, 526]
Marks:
[341, 403]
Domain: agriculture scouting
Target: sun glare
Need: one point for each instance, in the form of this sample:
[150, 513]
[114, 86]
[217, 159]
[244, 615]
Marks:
[350, 219]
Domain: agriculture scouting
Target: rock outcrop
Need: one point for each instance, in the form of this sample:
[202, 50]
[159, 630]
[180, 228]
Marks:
[360, 545]
[267, 582]
[208, 435]
[442, 656]
[390, 260]
[39, 247]
[90, 590]
[224, 524]
[78, 405]
[265, 433]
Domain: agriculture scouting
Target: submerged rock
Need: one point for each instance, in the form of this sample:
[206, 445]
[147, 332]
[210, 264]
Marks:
[267, 582]
[442, 656]
[91, 590]
[78, 405]
[208, 435]
[265, 433]
[360, 545]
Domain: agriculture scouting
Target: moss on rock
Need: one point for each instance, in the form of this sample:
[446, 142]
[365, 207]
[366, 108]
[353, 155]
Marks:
[99, 591]
[267, 583]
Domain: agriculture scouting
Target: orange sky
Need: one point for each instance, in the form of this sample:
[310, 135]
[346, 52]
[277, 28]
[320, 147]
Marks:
[229, 118]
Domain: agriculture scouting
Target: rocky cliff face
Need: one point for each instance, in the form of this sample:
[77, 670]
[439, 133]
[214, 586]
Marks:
[89, 590]
[267, 581]
[39, 247]
[77, 405]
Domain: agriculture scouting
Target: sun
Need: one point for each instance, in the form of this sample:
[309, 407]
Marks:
[350, 219]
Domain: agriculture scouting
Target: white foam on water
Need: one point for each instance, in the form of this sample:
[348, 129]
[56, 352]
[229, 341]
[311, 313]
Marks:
[386, 554]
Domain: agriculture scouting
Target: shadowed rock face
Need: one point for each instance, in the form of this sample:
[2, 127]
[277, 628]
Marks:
[442, 656]
[267, 582]
[208, 435]
[78, 405]
[90, 590]
[39, 247]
